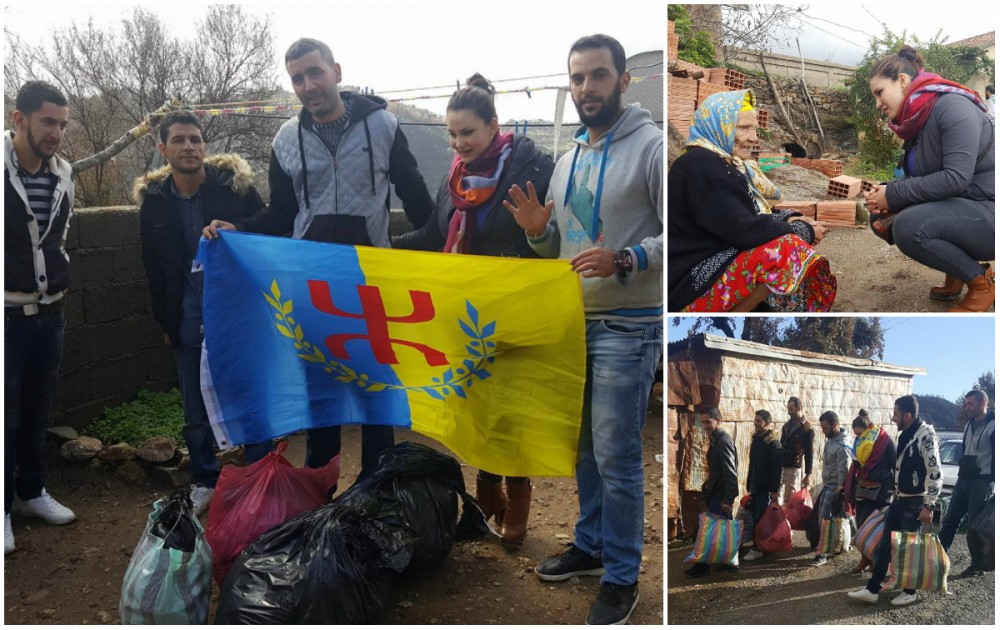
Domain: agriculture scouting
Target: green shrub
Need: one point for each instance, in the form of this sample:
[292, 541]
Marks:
[693, 46]
[151, 414]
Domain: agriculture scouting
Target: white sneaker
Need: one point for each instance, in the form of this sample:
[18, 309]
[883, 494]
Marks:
[864, 595]
[45, 508]
[752, 555]
[903, 599]
[8, 535]
[200, 498]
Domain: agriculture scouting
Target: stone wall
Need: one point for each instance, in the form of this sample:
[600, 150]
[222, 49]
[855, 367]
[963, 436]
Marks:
[113, 346]
[818, 73]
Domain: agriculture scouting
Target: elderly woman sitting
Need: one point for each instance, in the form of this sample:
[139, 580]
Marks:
[727, 251]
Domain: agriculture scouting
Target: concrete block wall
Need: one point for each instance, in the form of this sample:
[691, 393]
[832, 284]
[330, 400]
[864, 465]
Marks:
[113, 346]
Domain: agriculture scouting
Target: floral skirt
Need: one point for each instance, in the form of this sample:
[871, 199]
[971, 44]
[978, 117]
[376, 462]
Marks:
[798, 277]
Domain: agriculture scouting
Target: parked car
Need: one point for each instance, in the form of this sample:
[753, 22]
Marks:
[952, 450]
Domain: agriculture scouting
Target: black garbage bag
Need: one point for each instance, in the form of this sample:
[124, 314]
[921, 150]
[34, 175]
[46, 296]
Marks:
[337, 563]
[174, 523]
[982, 537]
[813, 522]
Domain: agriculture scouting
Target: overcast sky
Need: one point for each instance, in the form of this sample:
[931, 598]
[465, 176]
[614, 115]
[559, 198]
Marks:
[401, 45]
[840, 32]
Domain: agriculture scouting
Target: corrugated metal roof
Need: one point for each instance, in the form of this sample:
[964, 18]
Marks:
[750, 348]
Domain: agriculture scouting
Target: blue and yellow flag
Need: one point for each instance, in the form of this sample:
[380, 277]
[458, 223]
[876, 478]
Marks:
[486, 355]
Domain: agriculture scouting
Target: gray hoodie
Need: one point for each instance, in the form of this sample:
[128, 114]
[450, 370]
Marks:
[836, 460]
[619, 182]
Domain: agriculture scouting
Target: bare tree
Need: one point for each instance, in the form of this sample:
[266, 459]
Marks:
[756, 27]
[116, 78]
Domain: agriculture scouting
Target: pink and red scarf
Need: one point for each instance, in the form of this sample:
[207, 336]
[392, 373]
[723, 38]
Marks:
[919, 100]
[471, 185]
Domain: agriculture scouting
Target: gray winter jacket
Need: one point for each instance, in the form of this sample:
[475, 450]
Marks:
[616, 183]
[953, 157]
[342, 198]
[836, 460]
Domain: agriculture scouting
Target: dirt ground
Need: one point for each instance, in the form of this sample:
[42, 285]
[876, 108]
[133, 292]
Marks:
[73, 574]
[785, 589]
[872, 276]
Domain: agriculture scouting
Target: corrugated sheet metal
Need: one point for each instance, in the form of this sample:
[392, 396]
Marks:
[682, 383]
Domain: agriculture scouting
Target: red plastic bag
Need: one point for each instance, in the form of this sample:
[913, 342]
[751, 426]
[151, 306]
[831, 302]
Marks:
[773, 533]
[250, 500]
[799, 507]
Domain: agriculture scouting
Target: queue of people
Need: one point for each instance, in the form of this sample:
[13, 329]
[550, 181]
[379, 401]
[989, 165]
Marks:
[730, 252]
[901, 477]
[501, 197]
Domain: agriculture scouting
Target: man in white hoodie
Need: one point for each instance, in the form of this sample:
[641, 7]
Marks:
[604, 213]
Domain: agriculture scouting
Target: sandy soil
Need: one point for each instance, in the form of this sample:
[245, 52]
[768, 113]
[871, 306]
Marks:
[73, 574]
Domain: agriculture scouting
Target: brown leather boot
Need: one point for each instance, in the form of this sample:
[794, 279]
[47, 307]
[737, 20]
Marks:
[491, 499]
[515, 521]
[980, 296]
[950, 289]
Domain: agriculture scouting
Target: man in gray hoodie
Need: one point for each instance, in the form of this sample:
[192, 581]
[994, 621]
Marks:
[836, 462]
[604, 213]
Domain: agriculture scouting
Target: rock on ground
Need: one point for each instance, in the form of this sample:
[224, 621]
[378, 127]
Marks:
[81, 449]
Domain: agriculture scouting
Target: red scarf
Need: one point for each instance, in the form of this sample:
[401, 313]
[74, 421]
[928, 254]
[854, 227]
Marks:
[919, 100]
[471, 185]
[861, 473]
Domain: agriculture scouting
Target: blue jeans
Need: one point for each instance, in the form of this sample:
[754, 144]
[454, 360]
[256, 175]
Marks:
[197, 428]
[32, 352]
[621, 365]
[901, 517]
[968, 497]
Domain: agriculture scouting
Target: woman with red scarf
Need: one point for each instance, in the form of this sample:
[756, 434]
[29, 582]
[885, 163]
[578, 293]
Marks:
[870, 481]
[470, 219]
[941, 213]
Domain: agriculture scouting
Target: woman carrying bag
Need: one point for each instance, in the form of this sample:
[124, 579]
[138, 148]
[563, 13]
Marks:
[869, 483]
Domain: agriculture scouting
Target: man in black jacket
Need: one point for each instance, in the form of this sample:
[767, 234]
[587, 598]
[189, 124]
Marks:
[797, 445]
[330, 171]
[764, 472]
[38, 201]
[721, 486]
[173, 202]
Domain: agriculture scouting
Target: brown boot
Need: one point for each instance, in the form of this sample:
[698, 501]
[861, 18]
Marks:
[950, 289]
[980, 296]
[491, 499]
[515, 522]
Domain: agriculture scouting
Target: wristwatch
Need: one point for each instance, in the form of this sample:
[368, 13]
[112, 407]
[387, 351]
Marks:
[623, 260]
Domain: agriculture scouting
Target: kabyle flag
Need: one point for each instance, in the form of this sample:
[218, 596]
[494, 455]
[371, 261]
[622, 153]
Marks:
[486, 355]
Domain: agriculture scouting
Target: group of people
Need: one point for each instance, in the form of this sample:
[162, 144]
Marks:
[900, 477]
[330, 172]
[729, 251]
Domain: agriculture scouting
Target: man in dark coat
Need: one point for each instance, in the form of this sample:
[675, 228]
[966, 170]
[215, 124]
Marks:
[173, 202]
[721, 486]
[764, 473]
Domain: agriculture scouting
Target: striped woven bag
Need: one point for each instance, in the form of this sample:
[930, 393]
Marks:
[834, 535]
[870, 534]
[718, 540]
[919, 561]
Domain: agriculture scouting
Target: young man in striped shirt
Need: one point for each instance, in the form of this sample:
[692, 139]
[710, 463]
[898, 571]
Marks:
[38, 202]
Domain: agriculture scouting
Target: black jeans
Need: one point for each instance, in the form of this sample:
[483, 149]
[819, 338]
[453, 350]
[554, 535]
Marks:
[323, 444]
[969, 497]
[901, 517]
[758, 504]
[32, 352]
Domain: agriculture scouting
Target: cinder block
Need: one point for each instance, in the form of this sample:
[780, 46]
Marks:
[91, 268]
[836, 213]
[127, 264]
[107, 227]
[807, 208]
[114, 302]
[844, 186]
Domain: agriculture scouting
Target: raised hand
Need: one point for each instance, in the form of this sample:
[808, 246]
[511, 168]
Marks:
[528, 211]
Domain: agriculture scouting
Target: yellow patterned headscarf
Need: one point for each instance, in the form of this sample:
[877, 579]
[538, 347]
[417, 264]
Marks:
[714, 128]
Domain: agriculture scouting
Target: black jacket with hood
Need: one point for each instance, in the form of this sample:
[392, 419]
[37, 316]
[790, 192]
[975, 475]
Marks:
[722, 481]
[227, 194]
[764, 471]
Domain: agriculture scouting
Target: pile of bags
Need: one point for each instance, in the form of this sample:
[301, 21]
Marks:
[282, 554]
